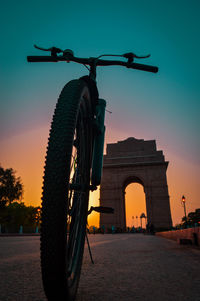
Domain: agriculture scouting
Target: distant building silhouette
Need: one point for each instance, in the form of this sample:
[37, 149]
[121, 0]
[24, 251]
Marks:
[135, 161]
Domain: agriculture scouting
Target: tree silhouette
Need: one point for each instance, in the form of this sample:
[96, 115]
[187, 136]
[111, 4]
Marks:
[18, 214]
[11, 188]
[192, 218]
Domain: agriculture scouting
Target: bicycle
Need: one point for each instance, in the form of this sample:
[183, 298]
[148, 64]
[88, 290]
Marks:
[72, 169]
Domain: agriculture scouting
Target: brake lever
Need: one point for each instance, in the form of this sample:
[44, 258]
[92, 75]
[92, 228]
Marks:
[130, 56]
[53, 50]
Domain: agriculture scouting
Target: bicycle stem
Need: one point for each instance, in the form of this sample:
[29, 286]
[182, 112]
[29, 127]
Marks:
[93, 69]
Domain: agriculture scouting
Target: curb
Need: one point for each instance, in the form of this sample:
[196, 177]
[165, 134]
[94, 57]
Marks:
[19, 234]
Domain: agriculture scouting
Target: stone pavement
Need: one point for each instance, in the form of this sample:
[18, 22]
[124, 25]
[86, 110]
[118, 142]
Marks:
[127, 267]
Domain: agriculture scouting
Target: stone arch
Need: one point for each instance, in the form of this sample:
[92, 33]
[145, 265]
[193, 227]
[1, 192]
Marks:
[131, 180]
[135, 160]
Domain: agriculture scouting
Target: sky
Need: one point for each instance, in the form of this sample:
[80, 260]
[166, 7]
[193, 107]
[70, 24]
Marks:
[163, 106]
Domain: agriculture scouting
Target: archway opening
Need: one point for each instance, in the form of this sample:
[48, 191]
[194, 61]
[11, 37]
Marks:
[135, 206]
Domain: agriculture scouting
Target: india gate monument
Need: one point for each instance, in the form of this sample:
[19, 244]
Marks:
[135, 161]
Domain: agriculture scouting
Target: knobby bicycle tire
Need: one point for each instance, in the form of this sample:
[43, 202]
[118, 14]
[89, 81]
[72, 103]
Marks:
[64, 211]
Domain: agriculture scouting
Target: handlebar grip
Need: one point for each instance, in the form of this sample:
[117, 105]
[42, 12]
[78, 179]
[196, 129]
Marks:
[143, 67]
[34, 59]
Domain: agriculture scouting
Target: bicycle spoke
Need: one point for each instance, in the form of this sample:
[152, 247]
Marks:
[75, 198]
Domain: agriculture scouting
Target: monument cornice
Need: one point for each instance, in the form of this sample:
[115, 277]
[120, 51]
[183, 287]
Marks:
[121, 165]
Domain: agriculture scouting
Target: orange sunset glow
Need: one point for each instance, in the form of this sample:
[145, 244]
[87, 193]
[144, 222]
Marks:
[27, 158]
[135, 205]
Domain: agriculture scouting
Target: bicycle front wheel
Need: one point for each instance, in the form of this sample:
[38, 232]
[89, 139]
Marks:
[66, 192]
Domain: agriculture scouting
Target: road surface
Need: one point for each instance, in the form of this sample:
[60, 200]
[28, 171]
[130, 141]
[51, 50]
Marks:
[127, 267]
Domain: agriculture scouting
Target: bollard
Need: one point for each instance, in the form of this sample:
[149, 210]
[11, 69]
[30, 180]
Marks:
[20, 229]
[113, 229]
[195, 239]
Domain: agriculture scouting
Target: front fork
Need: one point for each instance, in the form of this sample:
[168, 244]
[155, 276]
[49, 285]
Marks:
[99, 134]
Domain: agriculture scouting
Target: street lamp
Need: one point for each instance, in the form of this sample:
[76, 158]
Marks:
[183, 203]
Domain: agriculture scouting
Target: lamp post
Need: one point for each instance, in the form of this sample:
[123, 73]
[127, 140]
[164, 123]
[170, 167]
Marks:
[136, 221]
[133, 220]
[38, 217]
[183, 203]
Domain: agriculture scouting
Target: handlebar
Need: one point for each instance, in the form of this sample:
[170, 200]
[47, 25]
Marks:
[68, 56]
[137, 66]
[39, 59]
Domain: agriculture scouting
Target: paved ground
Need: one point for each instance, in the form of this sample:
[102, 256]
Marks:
[127, 267]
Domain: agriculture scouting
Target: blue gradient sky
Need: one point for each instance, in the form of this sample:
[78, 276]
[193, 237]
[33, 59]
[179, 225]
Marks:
[163, 106]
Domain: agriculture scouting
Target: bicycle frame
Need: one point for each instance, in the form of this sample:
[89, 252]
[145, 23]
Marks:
[99, 126]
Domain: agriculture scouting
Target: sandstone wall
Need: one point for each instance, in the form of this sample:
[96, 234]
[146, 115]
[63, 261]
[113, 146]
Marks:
[192, 233]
